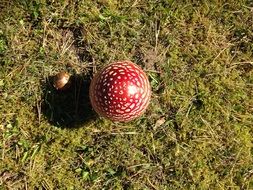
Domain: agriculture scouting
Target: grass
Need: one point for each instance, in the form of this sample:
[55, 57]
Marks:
[197, 132]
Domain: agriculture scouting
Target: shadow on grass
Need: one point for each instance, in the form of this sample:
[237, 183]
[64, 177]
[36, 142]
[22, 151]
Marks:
[68, 108]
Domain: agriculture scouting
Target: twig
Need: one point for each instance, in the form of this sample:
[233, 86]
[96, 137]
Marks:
[220, 53]
[38, 105]
[152, 71]
[243, 62]
[125, 133]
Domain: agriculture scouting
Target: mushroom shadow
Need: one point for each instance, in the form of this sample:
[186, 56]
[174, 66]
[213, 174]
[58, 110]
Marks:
[70, 108]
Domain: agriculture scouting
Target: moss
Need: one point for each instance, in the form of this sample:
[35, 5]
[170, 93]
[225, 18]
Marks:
[196, 133]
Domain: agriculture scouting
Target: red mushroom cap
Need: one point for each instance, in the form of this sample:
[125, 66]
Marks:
[120, 91]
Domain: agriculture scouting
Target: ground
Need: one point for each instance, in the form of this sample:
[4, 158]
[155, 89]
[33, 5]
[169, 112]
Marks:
[197, 131]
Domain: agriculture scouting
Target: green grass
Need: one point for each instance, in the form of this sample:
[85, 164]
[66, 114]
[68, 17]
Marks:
[197, 132]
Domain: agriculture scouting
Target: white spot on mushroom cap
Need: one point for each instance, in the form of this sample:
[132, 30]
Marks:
[132, 89]
[119, 111]
[143, 95]
[132, 106]
[126, 104]
[111, 72]
[133, 74]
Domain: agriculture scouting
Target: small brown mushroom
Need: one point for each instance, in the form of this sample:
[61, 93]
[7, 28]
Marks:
[61, 81]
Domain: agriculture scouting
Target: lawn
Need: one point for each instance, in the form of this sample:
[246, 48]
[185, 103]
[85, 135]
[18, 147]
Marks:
[197, 132]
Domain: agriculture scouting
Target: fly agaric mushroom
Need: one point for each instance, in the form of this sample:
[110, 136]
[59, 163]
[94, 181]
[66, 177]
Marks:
[120, 91]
